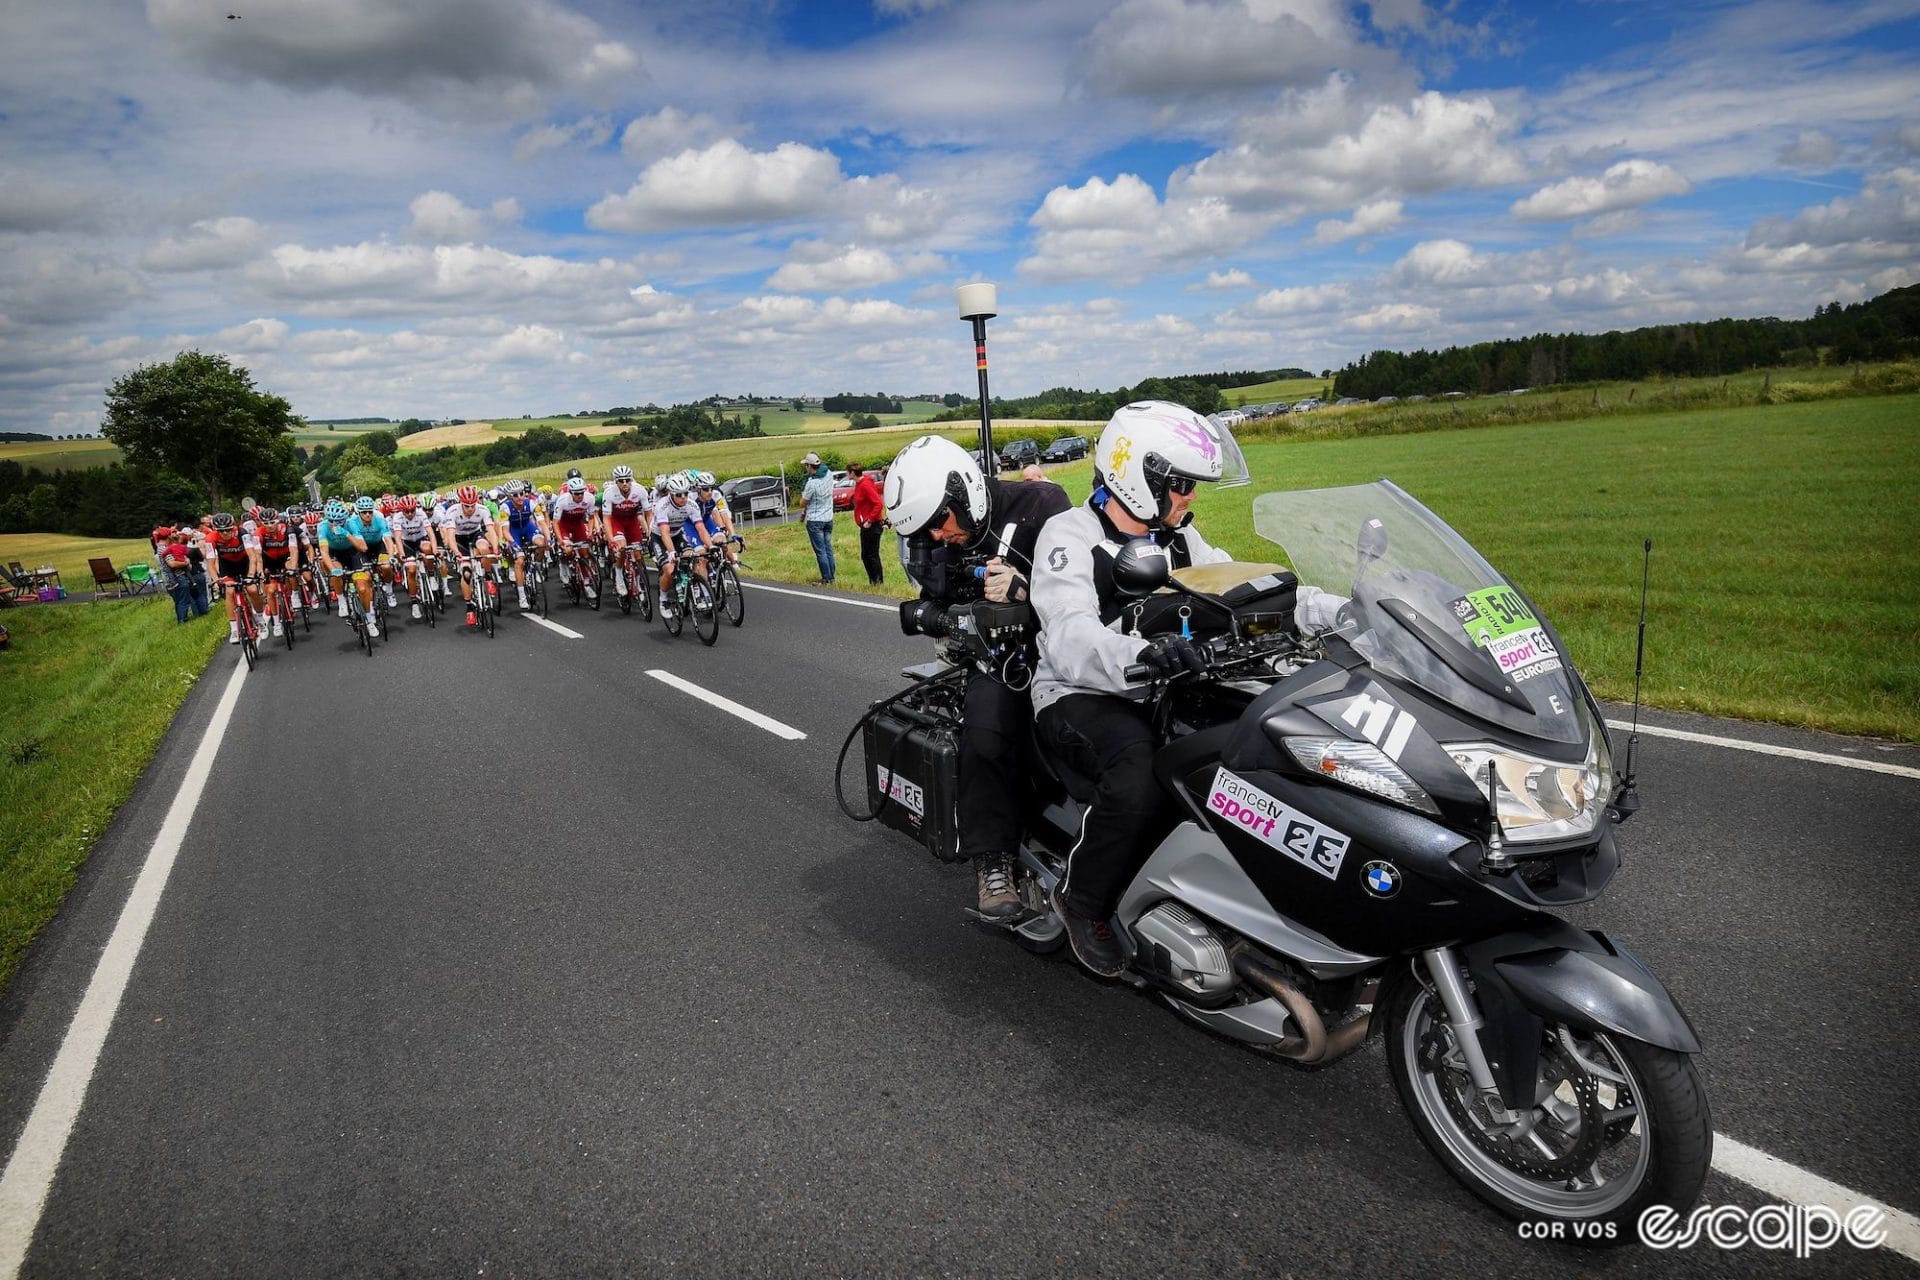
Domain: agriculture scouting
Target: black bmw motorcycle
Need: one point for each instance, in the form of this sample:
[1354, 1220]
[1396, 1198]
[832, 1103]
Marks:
[1368, 829]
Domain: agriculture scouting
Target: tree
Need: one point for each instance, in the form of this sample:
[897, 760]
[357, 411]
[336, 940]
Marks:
[199, 415]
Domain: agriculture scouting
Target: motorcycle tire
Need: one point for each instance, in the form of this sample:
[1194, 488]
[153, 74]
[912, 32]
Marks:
[1674, 1123]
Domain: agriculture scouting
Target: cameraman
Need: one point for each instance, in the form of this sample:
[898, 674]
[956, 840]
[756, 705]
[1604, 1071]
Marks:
[1146, 465]
[947, 513]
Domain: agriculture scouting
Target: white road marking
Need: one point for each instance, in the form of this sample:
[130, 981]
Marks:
[568, 632]
[729, 706]
[29, 1174]
[1767, 748]
[1795, 1185]
[815, 595]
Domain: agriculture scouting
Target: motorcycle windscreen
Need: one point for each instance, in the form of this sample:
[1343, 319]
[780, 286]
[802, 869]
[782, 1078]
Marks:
[1428, 607]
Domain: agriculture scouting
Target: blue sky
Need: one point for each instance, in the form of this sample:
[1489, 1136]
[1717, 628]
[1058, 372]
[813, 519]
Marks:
[482, 208]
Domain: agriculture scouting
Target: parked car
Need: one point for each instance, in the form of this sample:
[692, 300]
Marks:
[980, 460]
[1018, 453]
[752, 496]
[1065, 449]
[842, 491]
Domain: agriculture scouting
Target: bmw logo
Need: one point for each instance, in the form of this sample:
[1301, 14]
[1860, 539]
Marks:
[1382, 879]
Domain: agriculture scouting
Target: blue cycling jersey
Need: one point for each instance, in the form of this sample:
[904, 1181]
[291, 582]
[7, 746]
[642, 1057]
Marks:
[338, 536]
[520, 519]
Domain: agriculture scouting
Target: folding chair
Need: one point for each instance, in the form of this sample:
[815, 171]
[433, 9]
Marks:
[139, 579]
[106, 579]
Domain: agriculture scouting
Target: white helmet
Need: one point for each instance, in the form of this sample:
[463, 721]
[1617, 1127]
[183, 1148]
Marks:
[677, 483]
[930, 478]
[623, 472]
[576, 486]
[706, 478]
[1149, 442]
[659, 480]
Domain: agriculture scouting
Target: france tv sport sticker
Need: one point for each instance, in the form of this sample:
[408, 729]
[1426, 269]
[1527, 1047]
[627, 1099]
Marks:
[1382, 879]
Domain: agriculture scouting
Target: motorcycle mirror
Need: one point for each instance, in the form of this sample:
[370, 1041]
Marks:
[1141, 568]
[1369, 546]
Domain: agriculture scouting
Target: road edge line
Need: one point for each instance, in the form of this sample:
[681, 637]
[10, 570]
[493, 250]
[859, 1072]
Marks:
[28, 1179]
[1791, 1183]
[815, 595]
[1768, 749]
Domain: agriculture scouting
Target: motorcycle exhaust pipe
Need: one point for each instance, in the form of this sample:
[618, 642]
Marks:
[1315, 1043]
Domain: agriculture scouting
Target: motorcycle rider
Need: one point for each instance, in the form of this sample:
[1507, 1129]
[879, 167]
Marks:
[944, 508]
[1147, 463]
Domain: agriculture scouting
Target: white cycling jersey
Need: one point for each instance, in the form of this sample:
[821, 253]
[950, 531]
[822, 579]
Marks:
[467, 524]
[410, 528]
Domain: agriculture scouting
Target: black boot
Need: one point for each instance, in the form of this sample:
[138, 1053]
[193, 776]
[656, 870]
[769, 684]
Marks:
[1093, 942]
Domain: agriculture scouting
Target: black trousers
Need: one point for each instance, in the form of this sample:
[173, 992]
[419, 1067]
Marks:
[870, 552]
[993, 767]
[1110, 741]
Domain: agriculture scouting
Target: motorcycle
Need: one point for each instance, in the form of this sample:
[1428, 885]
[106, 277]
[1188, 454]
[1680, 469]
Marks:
[1367, 831]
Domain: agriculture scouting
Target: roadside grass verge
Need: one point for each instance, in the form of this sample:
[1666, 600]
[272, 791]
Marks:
[70, 554]
[1786, 561]
[86, 693]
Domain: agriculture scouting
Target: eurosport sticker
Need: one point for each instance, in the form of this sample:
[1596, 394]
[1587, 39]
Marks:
[1273, 823]
[910, 794]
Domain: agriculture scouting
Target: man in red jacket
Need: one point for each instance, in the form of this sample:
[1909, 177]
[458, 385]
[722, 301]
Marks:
[870, 513]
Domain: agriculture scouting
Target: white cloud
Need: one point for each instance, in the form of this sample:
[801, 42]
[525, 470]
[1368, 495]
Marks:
[207, 245]
[31, 203]
[724, 185]
[440, 218]
[1625, 185]
[1369, 219]
[1305, 299]
[1222, 281]
[64, 286]
[815, 267]
[1811, 150]
[1887, 210]
[383, 279]
[1121, 231]
[667, 131]
[586, 132]
[528, 342]
[265, 334]
[1157, 48]
[1393, 316]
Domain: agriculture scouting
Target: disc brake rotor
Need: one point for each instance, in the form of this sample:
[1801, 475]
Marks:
[1518, 1152]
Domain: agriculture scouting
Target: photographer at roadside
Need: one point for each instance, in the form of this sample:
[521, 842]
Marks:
[946, 513]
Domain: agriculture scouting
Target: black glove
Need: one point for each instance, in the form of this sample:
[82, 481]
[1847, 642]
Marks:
[1170, 655]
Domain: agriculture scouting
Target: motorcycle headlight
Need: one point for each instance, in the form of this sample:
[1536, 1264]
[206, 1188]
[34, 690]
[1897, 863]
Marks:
[1362, 766]
[1540, 799]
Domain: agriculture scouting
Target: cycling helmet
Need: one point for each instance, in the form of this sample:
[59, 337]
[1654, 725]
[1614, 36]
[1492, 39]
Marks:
[677, 484]
[573, 473]
[410, 504]
[494, 494]
[337, 510]
[576, 486]
[311, 519]
[363, 504]
[386, 506]
[622, 472]
[1150, 446]
[468, 495]
[222, 521]
[547, 489]
[930, 479]
[706, 478]
[265, 515]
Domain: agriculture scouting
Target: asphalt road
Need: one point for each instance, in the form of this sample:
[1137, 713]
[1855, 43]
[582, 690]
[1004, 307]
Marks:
[503, 957]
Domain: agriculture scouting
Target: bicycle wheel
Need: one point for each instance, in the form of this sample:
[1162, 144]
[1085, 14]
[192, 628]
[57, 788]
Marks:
[489, 605]
[283, 611]
[673, 608]
[732, 598]
[537, 593]
[249, 643]
[571, 585]
[598, 579]
[626, 596]
[645, 595]
[706, 613]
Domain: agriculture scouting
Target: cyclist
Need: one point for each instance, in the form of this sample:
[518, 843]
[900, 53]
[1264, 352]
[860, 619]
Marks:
[237, 554]
[382, 542]
[576, 517]
[414, 530]
[626, 511]
[346, 549]
[279, 558]
[523, 518]
[677, 527]
[714, 510]
[469, 526]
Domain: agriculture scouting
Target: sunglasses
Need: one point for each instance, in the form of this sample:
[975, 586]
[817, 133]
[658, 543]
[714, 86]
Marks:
[1181, 484]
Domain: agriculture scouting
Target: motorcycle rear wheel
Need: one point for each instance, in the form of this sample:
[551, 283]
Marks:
[1655, 1127]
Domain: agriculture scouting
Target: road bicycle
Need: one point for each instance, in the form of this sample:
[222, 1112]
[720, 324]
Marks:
[427, 588]
[726, 583]
[638, 573]
[283, 583]
[582, 569]
[249, 628]
[349, 590]
[688, 594]
[484, 600]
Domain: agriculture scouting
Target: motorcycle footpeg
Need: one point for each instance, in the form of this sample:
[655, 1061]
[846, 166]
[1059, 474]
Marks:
[1001, 922]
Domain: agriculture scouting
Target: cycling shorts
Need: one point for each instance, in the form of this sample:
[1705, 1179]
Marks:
[465, 541]
[522, 535]
[349, 557]
[232, 568]
[627, 527]
[410, 549]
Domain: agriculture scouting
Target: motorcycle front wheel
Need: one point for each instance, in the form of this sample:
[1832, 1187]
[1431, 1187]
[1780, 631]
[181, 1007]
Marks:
[1621, 1125]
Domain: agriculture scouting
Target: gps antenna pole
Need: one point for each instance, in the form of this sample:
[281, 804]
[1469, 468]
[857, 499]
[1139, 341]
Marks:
[1627, 802]
[977, 303]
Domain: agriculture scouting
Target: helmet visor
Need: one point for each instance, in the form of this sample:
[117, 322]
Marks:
[1233, 463]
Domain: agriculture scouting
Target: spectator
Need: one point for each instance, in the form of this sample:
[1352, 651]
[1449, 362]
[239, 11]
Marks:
[170, 548]
[818, 495]
[870, 513]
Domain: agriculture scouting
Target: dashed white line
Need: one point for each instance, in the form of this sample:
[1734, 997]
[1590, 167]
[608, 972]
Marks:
[815, 595]
[728, 705]
[568, 632]
[1795, 1185]
[1768, 749]
[29, 1174]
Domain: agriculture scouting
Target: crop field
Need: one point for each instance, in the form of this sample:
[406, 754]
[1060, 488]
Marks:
[1786, 556]
[59, 455]
[1288, 389]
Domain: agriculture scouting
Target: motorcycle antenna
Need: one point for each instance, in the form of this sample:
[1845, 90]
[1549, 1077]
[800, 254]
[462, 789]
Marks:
[1627, 802]
[979, 303]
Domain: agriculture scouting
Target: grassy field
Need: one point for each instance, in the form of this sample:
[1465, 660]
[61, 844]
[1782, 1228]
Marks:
[86, 693]
[1288, 389]
[1786, 562]
[70, 555]
[60, 455]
